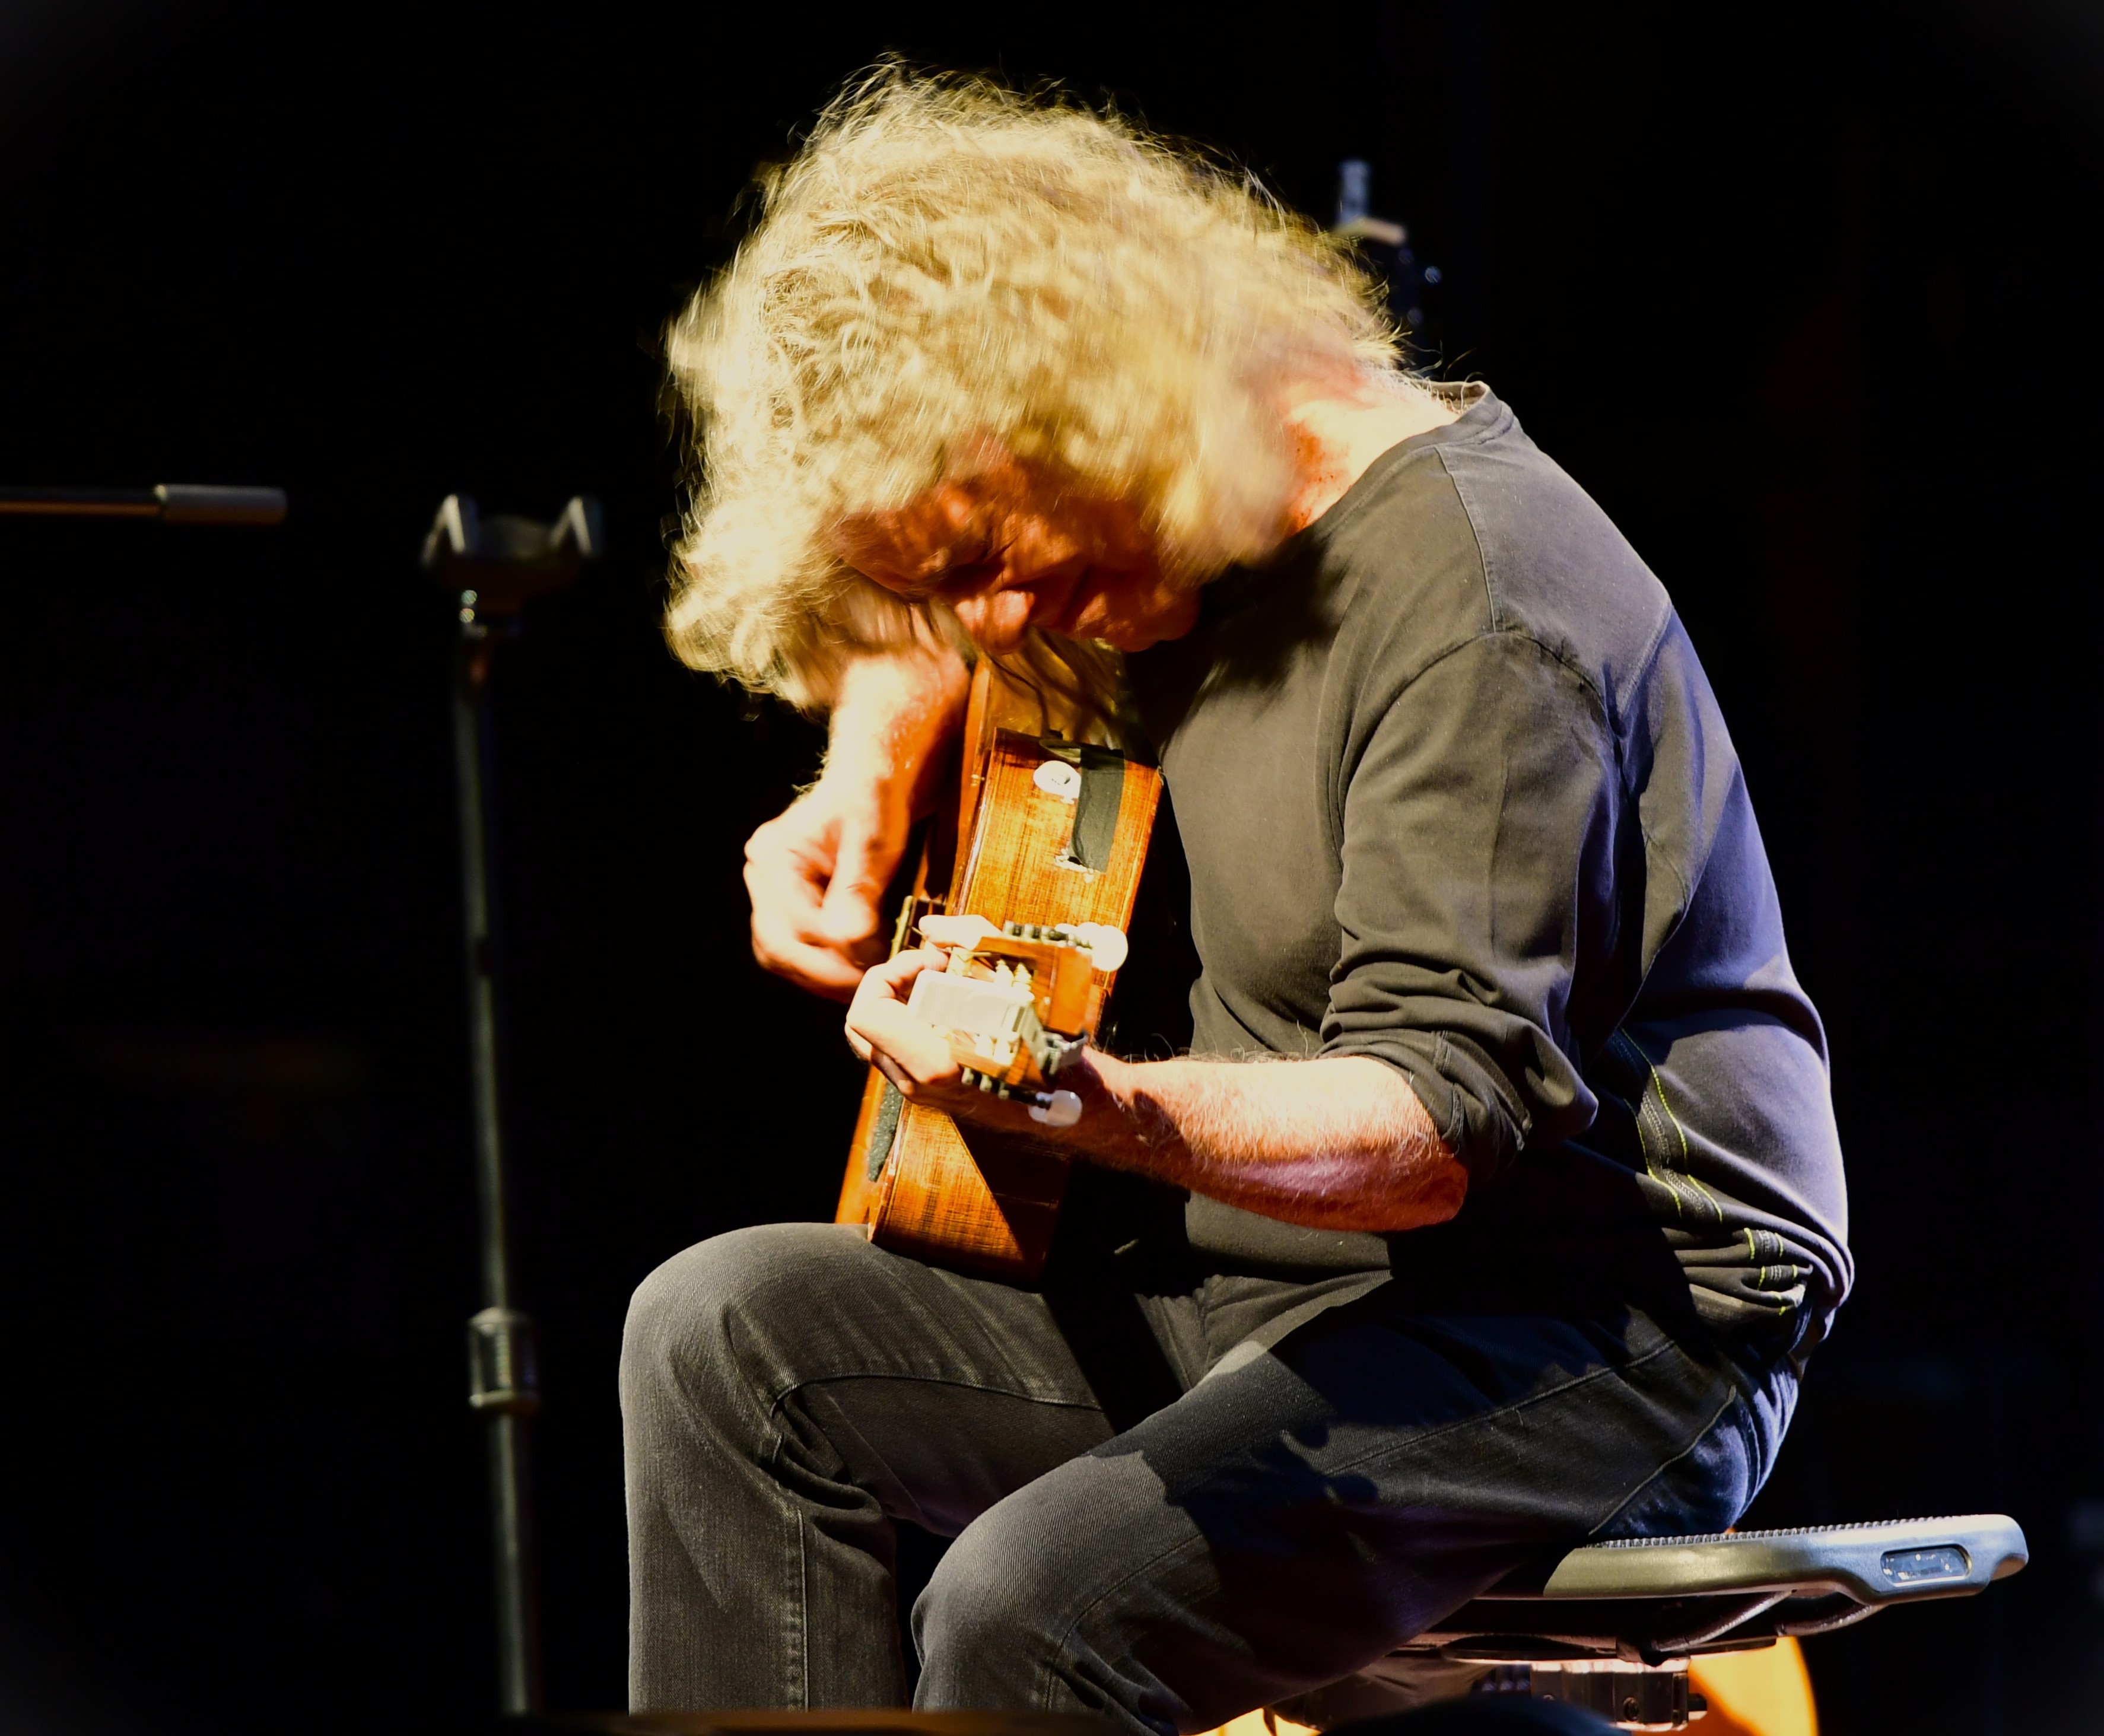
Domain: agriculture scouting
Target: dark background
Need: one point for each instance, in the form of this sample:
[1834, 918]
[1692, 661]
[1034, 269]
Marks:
[1803, 297]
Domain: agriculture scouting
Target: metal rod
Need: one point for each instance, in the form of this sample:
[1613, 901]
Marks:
[517, 1626]
[79, 503]
[481, 984]
[500, 1338]
[177, 503]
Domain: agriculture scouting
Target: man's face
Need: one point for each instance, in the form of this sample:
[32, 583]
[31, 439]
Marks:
[1011, 547]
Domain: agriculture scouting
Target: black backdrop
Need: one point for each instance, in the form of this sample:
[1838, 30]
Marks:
[1802, 297]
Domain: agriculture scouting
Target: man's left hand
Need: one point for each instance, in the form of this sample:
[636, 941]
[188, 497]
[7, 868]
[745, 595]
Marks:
[915, 1057]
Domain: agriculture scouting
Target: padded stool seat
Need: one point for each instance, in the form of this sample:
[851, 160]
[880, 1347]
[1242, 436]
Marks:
[1611, 1626]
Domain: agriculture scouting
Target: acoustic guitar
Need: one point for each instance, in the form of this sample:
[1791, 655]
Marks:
[1030, 880]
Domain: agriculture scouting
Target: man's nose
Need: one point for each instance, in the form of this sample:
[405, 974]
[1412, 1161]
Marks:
[996, 621]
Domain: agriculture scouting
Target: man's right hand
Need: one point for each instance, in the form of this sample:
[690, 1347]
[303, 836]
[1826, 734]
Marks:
[816, 874]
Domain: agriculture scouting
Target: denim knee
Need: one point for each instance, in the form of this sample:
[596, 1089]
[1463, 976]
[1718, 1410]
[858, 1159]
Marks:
[998, 1594]
[713, 1315]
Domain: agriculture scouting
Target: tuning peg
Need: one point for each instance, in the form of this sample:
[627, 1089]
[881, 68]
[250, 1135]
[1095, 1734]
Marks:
[1055, 1108]
[957, 931]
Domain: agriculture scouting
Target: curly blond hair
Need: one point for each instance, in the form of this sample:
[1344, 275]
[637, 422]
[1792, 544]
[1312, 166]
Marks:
[946, 265]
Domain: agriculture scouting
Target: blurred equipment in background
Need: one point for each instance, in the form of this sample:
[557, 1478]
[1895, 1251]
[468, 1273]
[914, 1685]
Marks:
[496, 564]
[1386, 245]
[173, 503]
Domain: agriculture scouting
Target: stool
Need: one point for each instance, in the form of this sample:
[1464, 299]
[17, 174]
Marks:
[1611, 1626]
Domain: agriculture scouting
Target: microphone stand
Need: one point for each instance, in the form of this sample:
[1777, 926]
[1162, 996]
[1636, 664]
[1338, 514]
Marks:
[496, 564]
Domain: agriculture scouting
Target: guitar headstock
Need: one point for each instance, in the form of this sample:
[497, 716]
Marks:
[1013, 1001]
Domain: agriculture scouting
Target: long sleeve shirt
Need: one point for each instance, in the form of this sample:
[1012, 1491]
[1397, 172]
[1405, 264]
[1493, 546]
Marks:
[1457, 795]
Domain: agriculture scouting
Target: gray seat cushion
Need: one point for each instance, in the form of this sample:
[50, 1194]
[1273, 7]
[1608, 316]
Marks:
[1650, 1599]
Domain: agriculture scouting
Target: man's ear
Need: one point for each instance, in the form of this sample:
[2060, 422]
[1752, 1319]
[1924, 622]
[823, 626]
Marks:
[869, 542]
[907, 548]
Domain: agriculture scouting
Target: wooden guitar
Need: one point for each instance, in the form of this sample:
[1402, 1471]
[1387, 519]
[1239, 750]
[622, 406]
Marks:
[1045, 843]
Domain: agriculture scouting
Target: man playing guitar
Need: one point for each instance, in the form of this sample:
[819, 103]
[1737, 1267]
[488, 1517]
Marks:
[1507, 1195]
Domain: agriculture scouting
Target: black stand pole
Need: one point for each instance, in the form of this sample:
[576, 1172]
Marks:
[496, 568]
[504, 1381]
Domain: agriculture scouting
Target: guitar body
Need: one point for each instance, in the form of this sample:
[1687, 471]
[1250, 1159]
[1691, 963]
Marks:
[1046, 832]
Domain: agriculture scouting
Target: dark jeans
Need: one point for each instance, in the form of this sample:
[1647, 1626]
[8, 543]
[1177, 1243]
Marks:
[1336, 1475]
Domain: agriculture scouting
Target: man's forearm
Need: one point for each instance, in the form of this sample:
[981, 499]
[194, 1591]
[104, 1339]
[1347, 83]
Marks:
[893, 714]
[1340, 1143]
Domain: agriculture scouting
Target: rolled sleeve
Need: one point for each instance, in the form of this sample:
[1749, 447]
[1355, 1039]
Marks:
[1478, 826]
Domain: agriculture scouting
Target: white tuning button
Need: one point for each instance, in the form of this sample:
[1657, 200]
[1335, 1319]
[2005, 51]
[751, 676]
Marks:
[1059, 1108]
[956, 931]
[1056, 778]
[1106, 945]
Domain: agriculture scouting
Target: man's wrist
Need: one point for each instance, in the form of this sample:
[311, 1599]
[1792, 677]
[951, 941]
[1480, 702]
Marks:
[1122, 1127]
